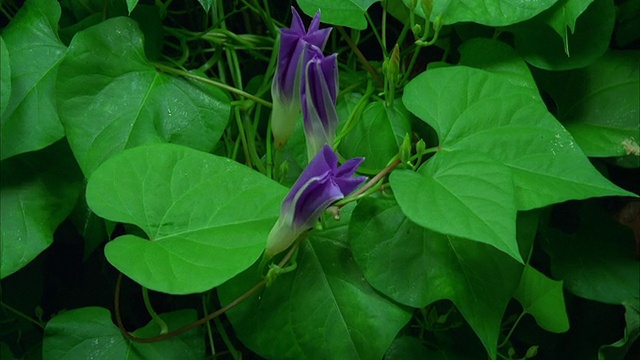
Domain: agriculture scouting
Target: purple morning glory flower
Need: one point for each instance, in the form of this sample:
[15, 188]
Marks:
[321, 184]
[318, 100]
[292, 57]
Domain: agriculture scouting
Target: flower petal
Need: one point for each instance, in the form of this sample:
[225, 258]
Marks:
[349, 185]
[313, 200]
[349, 167]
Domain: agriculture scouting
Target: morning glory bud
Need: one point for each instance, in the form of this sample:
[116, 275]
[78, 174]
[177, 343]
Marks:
[321, 184]
[318, 100]
[292, 57]
[427, 7]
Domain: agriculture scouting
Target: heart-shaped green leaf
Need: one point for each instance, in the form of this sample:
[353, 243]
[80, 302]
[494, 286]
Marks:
[39, 190]
[106, 61]
[429, 266]
[486, 12]
[206, 217]
[543, 298]
[89, 333]
[30, 121]
[475, 111]
[349, 13]
[461, 194]
[324, 309]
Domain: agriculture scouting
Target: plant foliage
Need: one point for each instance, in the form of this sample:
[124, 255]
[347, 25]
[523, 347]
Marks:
[140, 182]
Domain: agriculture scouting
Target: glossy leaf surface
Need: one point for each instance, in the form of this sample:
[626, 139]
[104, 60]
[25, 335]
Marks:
[476, 111]
[349, 13]
[543, 298]
[106, 61]
[89, 333]
[477, 278]
[30, 120]
[39, 190]
[206, 218]
[324, 309]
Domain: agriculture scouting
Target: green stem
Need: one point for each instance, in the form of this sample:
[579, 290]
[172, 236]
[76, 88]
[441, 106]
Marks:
[412, 63]
[371, 183]
[225, 338]
[375, 188]
[403, 33]
[243, 137]
[515, 324]
[348, 126]
[21, 315]
[205, 319]
[208, 325]
[377, 35]
[250, 131]
[423, 42]
[273, 30]
[270, 164]
[147, 303]
[220, 85]
[360, 56]
[384, 28]
[277, 161]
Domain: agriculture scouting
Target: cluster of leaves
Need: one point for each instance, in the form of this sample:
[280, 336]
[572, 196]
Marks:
[135, 139]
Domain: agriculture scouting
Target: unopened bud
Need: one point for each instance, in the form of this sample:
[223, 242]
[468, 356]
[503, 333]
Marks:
[283, 170]
[417, 30]
[421, 147]
[393, 65]
[427, 7]
[532, 352]
[437, 23]
[405, 149]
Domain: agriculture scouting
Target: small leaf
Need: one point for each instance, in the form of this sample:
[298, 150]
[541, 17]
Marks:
[619, 349]
[377, 136]
[349, 13]
[206, 218]
[131, 4]
[428, 266]
[562, 18]
[30, 120]
[531, 352]
[206, 4]
[88, 333]
[39, 190]
[540, 46]
[461, 194]
[324, 309]
[106, 61]
[597, 103]
[543, 298]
